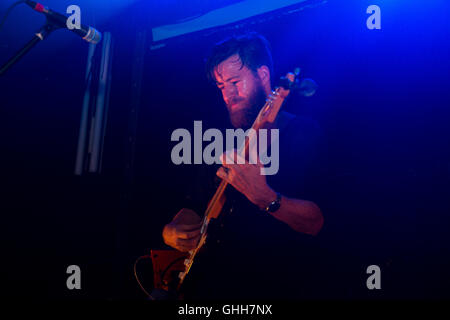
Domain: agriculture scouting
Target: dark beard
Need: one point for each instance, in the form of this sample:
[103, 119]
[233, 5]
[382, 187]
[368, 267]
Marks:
[245, 117]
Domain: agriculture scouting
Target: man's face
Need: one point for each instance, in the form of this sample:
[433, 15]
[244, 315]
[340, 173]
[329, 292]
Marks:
[242, 91]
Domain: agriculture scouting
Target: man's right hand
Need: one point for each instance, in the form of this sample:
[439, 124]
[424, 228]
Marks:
[183, 233]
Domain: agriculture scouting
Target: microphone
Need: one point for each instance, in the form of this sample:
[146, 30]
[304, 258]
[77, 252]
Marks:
[304, 87]
[87, 33]
[307, 87]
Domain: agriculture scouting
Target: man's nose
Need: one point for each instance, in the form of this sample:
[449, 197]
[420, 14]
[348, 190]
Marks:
[230, 91]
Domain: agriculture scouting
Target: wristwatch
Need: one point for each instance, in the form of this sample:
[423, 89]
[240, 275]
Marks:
[274, 205]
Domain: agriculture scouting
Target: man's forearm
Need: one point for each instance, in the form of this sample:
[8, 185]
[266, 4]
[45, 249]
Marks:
[301, 215]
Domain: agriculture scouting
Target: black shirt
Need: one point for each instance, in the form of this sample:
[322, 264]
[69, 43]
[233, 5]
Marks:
[249, 253]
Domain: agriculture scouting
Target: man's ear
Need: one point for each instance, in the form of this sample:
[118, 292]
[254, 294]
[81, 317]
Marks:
[264, 74]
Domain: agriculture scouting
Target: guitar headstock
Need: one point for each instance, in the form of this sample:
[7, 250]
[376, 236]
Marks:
[273, 103]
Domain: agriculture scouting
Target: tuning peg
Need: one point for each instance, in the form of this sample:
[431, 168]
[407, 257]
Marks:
[287, 81]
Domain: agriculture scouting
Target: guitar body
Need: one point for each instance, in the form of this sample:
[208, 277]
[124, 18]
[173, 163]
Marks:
[167, 264]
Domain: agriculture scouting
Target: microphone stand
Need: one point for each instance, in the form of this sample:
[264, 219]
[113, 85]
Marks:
[42, 34]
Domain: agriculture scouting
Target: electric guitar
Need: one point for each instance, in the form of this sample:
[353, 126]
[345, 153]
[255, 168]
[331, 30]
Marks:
[266, 116]
[169, 263]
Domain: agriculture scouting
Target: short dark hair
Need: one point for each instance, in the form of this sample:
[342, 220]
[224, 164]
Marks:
[252, 48]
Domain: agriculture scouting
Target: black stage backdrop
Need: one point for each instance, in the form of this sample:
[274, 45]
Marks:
[382, 103]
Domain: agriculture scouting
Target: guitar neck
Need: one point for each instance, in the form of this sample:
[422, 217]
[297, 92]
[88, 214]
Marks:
[267, 115]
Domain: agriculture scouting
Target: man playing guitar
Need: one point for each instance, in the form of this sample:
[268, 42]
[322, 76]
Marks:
[264, 213]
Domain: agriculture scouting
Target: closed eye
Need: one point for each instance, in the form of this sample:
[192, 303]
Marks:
[221, 86]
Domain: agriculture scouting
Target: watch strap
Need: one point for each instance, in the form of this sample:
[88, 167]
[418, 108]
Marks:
[274, 205]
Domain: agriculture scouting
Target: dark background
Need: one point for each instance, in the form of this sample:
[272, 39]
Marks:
[382, 103]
